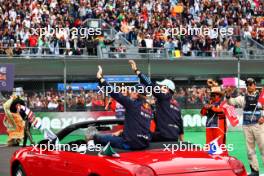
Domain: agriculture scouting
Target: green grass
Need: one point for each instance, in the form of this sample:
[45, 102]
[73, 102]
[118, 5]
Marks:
[235, 138]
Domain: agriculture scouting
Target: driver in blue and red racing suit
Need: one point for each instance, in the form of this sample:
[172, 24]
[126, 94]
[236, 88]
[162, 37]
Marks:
[169, 124]
[136, 133]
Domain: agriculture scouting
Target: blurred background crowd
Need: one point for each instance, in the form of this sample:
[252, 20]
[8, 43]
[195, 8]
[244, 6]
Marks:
[142, 22]
[52, 100]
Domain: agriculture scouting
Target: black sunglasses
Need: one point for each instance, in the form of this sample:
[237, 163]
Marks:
[249, 84]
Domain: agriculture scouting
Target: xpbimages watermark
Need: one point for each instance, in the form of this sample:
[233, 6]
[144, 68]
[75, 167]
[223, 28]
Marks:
[204, 31]
[74, 32]
[82, 149]
[147, 90]
[195, 147]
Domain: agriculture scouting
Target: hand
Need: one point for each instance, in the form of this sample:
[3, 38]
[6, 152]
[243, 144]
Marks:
[99, 72]
[182, 137]
[106, 108]
[13, 96]
[229, 91]
[133, 65]
[261, 120]
[118, 133]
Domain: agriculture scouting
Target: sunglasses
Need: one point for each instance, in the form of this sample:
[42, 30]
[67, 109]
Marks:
[249, 84]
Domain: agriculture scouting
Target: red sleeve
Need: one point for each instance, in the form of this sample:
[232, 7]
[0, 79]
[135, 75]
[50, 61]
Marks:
[203, 111]
[113, 105]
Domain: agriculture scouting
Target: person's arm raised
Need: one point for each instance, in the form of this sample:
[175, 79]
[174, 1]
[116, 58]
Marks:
[124, 100]
[147, 82]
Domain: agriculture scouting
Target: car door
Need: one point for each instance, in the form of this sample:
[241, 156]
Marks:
[54, 164]
[75, 163]
[45, 162]
[64, 163]
[34, 162]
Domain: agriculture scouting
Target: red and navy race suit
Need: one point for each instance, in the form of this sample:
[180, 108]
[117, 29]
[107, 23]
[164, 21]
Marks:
[120, 111]
[136, 132]
[215, 123]
[118, 108]
[169, 124]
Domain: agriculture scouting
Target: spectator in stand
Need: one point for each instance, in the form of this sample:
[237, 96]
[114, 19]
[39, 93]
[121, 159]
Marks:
[80, 105]
[53, 104]
[98, 101]
[237, 50]
[33, 42]
[117, 107]
[60, 107]
[143, 45]
[169, 45]
[2, 50]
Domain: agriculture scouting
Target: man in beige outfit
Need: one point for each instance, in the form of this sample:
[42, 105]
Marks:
[253, 120]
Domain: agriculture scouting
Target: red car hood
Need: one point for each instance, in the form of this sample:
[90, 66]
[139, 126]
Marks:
[179, 162]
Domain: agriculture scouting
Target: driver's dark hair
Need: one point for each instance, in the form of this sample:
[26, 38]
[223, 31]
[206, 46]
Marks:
[171, 91]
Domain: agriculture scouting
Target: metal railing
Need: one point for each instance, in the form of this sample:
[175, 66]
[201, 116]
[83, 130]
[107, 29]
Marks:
[122, 52]
[138, 53]
[47, 52]
[253, 43]
[254, 49]
[161, 53]
[108, 31]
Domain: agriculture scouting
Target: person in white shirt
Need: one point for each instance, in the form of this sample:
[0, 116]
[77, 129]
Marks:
[253, 122]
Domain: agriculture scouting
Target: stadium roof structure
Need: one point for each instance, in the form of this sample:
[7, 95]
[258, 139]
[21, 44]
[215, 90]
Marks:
[54, 68]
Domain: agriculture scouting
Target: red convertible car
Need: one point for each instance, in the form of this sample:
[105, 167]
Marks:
[153, 161]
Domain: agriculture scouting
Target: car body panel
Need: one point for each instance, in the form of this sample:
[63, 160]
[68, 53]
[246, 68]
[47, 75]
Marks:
[209, 173]
[37, 162]
[164, 162]
[72, 163]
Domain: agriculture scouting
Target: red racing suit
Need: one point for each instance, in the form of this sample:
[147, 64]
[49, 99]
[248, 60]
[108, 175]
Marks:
[215, 123]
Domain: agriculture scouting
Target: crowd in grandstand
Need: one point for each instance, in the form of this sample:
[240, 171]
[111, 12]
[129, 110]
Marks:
[53, 100]
[144, 23]
[83, 100]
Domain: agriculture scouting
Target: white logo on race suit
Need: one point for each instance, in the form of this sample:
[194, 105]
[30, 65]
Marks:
[173, 125]
[143, 136]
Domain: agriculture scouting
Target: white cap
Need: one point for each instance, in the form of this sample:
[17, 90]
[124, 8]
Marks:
[168, 83]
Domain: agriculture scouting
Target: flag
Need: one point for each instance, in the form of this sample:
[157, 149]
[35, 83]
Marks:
[229, 82]
[214, 148]
[230, 113]
[31, 117]
[108, 151]
[37, 124]
[233, 82]
[261, 97]
[48, 134]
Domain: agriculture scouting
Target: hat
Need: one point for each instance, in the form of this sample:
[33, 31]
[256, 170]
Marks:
[217, 90]
[13, 107]
[250, 81]
[166, 82]
[214, 87]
